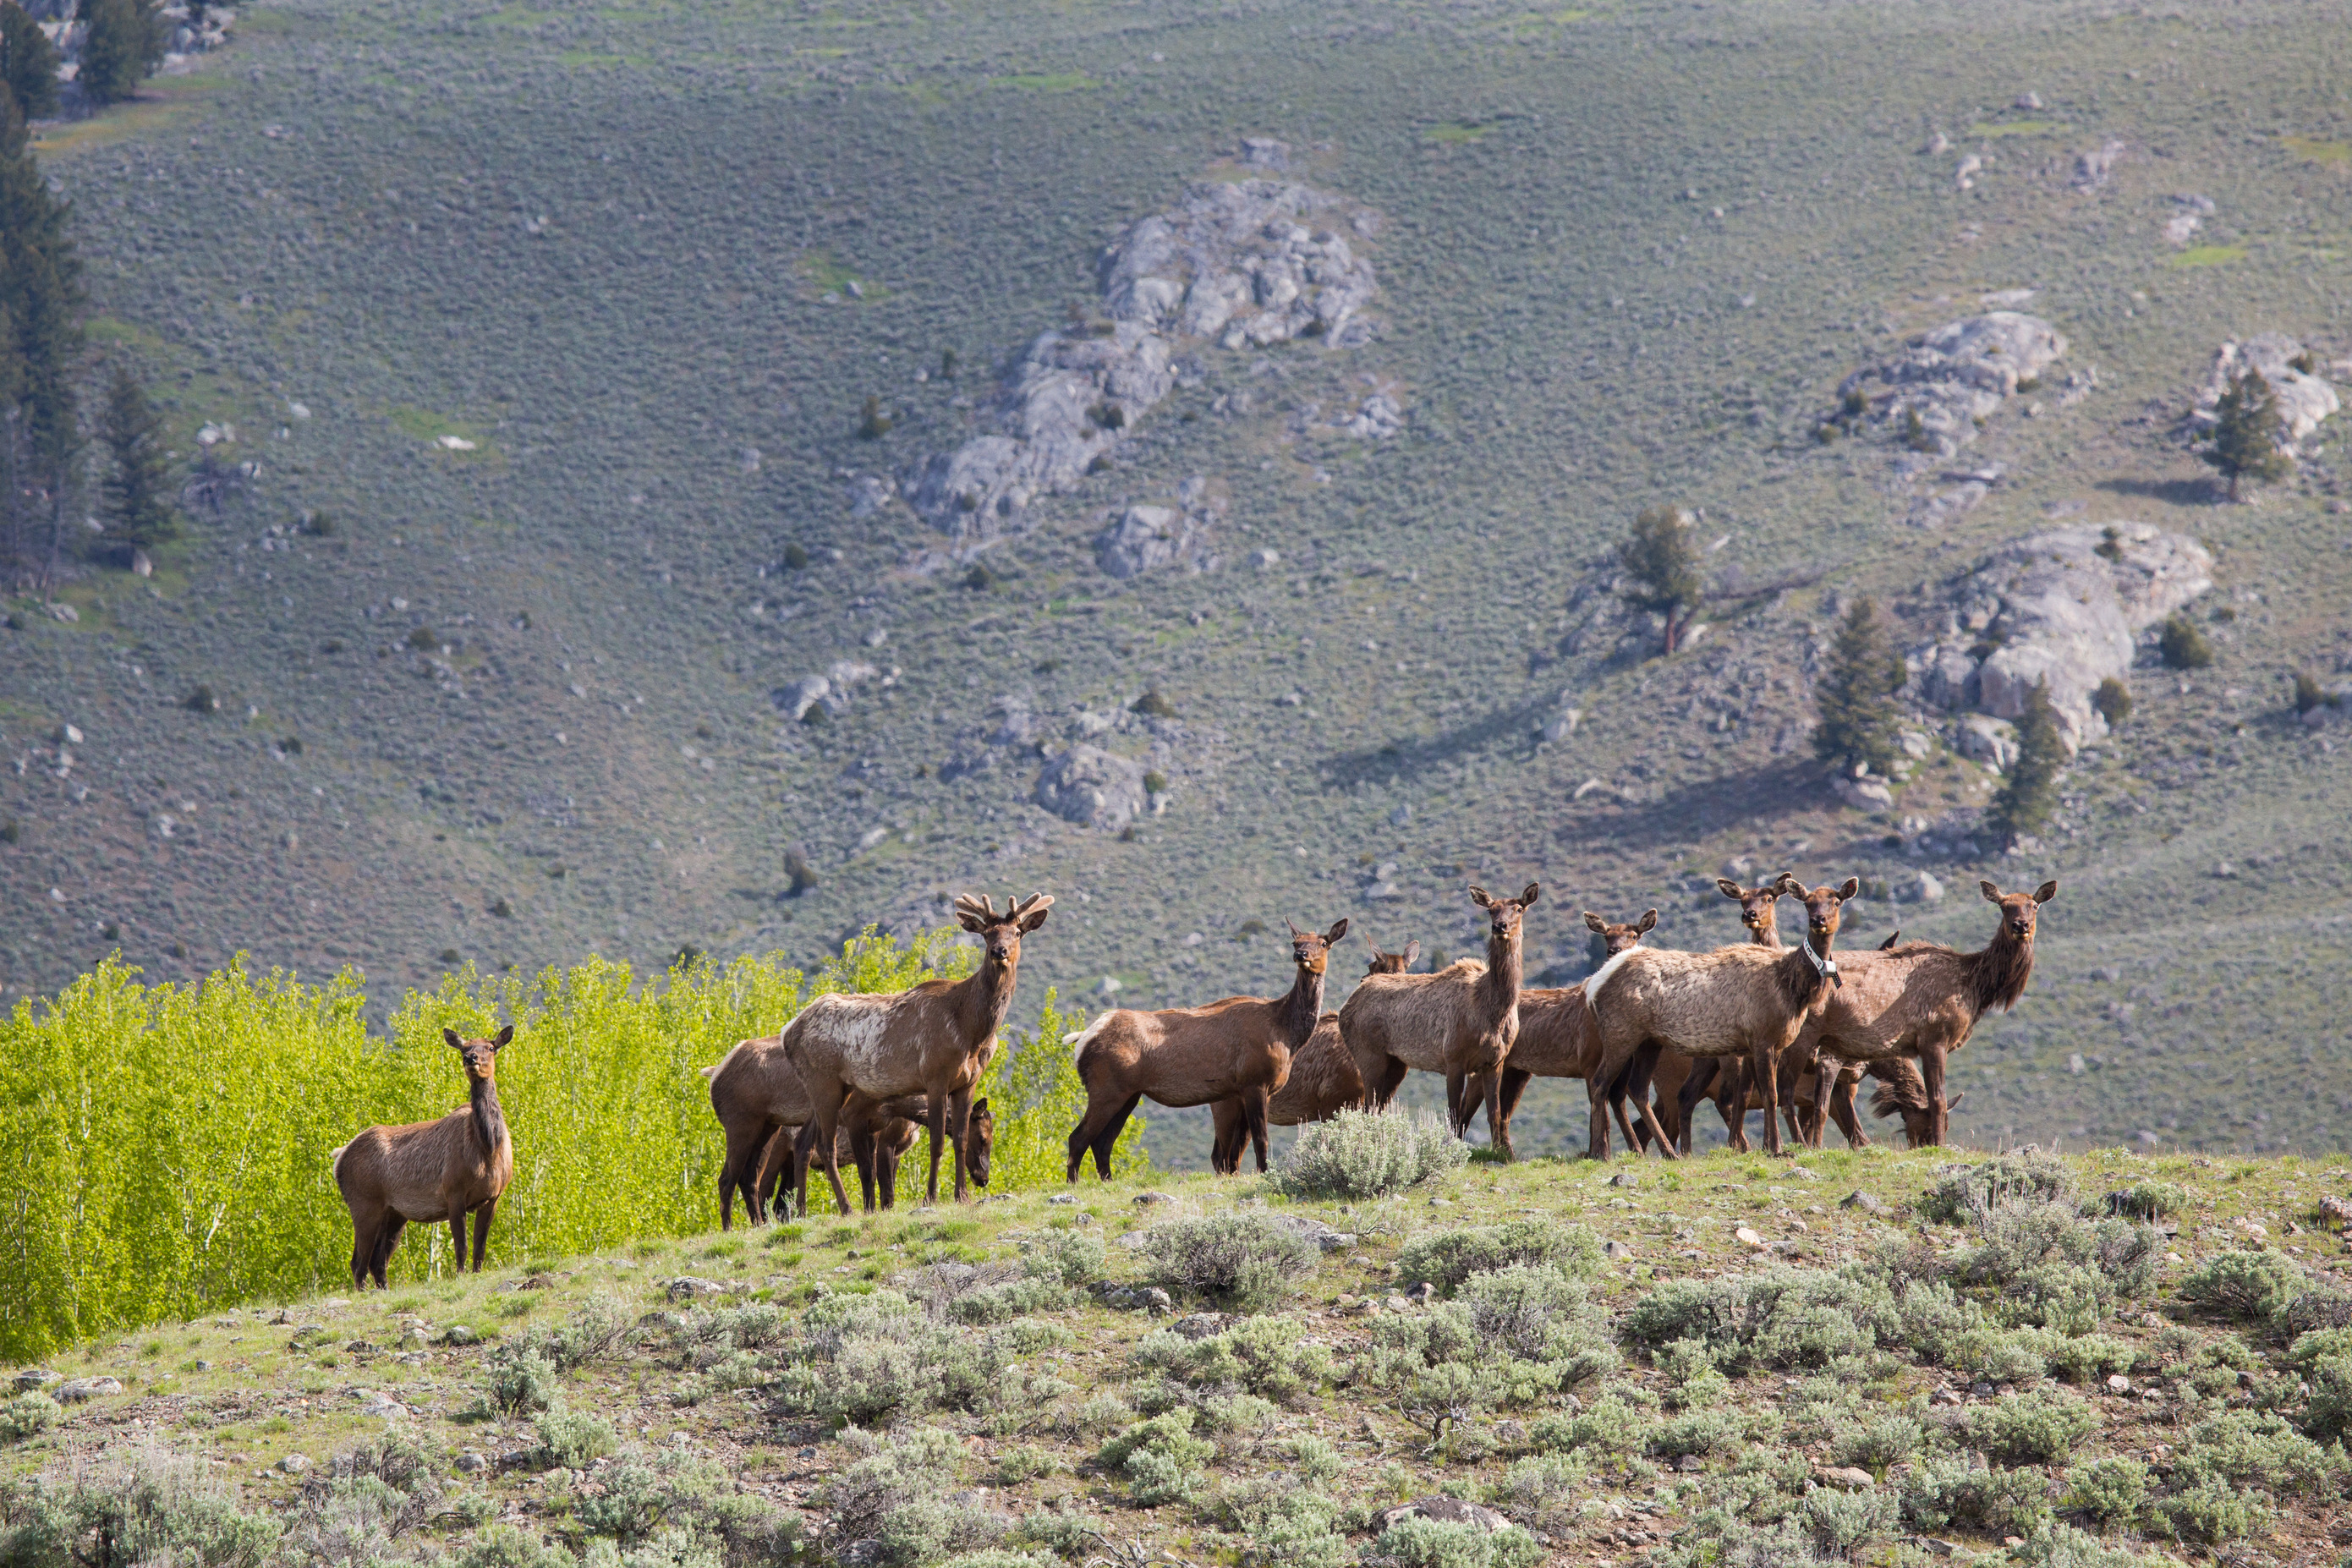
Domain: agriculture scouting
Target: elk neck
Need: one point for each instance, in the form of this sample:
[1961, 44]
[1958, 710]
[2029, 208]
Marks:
[1501, 980]
[1998, 973]
[490, 1118]
[984, 998]
[1298, 1012]
[1804, 970]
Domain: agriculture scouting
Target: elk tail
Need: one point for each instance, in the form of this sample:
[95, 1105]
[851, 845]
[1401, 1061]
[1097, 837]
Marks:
[1085, 1043]
[1603, 975]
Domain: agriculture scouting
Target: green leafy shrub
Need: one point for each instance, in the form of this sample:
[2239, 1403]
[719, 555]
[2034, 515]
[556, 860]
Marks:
[861, 1358]
[1941, 1491]
[517, 1380]
[1262, 1355]
[2245, 1448]
[1699, 1432]
[1878, 1445]
[2246, 1286]
[503, 1545]
[1002, 1302]
[572, 1439]
[155, 1508]
[1419, 1542]
[2090, 1357]
[2031, 1429]
[1445, 1258]
[1777, 1317]
[2147, 1200]
[1610, 1425]
[29, 1412]
[1241, 1260]
[1541, 1487]
[895, 1494]
[1367, 1154]
[2056, 1545]
[1289, 1519]
[2324, 1360]
[1536, 1313]
[2182, 644]
[2209, 1512]
[1961, 1192]
[2111, 1490]
[1066, 1257]
[1159, 1458]
[1842, 1523]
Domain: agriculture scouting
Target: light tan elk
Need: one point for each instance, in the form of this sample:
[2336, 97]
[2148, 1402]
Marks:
[1237, 1048]
[1556, 1034]
[1461, 1021]
[878, 1136]
[933, 1039]
[1746, 1001]
[1322, 1080]
[1922, 1000]
[431, 1171]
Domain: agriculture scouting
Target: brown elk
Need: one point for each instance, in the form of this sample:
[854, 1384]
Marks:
[1922, 1000]
[1322, 1079]
[878, 1136]
[1460, 1021]
[1745, 1002]
[933, 1038]
[1238, 1048]
[431, 1171]
[1555, 1038]
[1902, 1091]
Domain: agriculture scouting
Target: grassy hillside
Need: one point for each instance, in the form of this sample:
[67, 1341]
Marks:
[1879, 1358]
[508, 701]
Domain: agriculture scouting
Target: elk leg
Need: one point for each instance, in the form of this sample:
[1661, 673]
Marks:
[1939, 1114]
[1515, 1084]
[1457, 1115]
[766, 1181]
[1644, 1063]
[886, 1172]
[1107, 1139]
[1765, 1070]
[1392, 1073]
[861, 1151]
[482, 1232]
[804, 1152]
[1226, 1141]
[364, 1250]
[1254, 1116]
[825, 1104]
[1841, 1111]
[457, 1236]
[1498, 1120]
[1596, 1091]
[958, 1124]
[1617, 1111]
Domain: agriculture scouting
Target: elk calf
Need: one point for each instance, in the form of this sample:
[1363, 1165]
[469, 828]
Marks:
[1460, 1021]
[430, 1171]
[1237, 1048]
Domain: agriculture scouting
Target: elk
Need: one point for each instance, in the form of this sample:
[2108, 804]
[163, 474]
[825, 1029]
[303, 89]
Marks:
[1460, 1021]
[1902, 1091]
[1322, 1079]
[878, 1135]
[933, 1038]
[430, 1171]
[1922, 1000]
[1238, 1049]
[1745, 1002]
[1556, 1037]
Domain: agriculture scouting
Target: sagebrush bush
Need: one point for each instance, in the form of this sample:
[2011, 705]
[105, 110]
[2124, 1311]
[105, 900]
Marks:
[517, 1380]
[1536, 1312]
[1418, 1543]
[2245, 1447]
[1285, 1520]
[2111, 1489]
[1842, 1523]
[1961, 1192]
[2325, 1359]
[1775, 1317]
[2064, 1546]
[1159, 1458]
[1238, 1259]
[2254, 1287]
[146, 1507]
[2208, 1512]
[1064, 1257]
[895, 1495]
[1446, 1257]
[864, 1358]
[1878, 1445]
[571, 1439]
[26, 1414]
[1541, 1489]
[2146, 1200]
[1941, 1491]
[2052, 1268]
[1010, 1299]
[1367, 1154]
[503, 1545]
[2031, 1429]
[2089, 1358]
[1262, 1355]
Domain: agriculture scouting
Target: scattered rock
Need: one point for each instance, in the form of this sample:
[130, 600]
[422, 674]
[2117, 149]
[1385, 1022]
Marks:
[1421, 1292]
[76, 1390]
[1145, 537]
[1381, 417]
[1624, 1179]
[1849, 1477]
[1923, 889]
[2118, 1384]
[1200, 1325]
[295, 1463]
[1446, 1509]
[1153, 1198]
[1155, 1300]
[1093, 788]
[1801, 1174]
[1934, 392]
[472, 1462]
[1868, 1203]
[2093, 169]
[360, 1347]
[1863, 794]
[1615, 1250]
[458, 1334]
[1982, 738]
[2304, 399]
[34, 1377]
[1746, 1238]
[686, 1287]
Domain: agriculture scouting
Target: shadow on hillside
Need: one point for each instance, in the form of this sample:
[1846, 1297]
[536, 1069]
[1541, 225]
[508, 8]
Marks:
[2172, 492]
[1699, 806]
[1411, 757]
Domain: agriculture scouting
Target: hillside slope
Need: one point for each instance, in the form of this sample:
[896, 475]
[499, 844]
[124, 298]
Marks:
[545, 321]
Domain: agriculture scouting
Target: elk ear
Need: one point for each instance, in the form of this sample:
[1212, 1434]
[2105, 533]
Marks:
[1594, 923]
[1530, 896]
[504, 1035]
[1730, 889]
[1479, 896]
[455, 1043]
[1888, 945]
[1648, 923]
[1411, 952]
[2047, 892]
[1034, 918]
[1786, 886]
[1991, 891]
[1954, 1103]
[972, 924]
[980, 1106]
[1849, 887]
[1335, 933]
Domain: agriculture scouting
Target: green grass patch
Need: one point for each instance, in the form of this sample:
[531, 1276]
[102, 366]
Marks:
[1053, 82]
[428, 427]
[2207, 255]
[1993, 130]
[1455, 132]
[2317, 149]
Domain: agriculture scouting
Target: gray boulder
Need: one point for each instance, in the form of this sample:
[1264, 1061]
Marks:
[2304, 399]
[1955, 375]
[1093, 788]
[1147, 537]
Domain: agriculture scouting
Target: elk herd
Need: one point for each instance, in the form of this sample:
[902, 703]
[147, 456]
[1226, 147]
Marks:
[1761, 1024]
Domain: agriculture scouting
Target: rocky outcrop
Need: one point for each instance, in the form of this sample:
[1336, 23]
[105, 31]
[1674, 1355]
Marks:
[2305, 398]
[2067, 606]
[1932, 393]
[1093, 788]
[1144, 538]
[1251, 263]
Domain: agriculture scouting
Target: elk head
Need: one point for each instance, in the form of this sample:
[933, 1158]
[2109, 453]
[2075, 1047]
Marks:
[1823, 906]
[2018, 909]
[1393, 963]
[1001, 933]
[1503, 914]
[1618, 938]
[1311, 952]
[1756, 904]
[480, 1057]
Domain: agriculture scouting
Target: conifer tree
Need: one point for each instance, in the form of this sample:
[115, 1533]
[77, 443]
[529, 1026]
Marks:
[1661, 559]
[29, 62]
[124, 45]
[2248, 440]
[40, 337]
[136, 493]
[2030, 792]
[1855, 697]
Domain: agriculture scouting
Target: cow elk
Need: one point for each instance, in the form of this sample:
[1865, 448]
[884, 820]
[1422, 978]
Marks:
[1322, 1082]
[1556, 1037]
[431, 1171]
[934, 1039]
[1237, 1048]
[1747, 1003]
[1461, 1021]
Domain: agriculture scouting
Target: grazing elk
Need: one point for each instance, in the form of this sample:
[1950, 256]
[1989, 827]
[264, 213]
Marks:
[1238, 1049]
[1322, 1079]
[1460, 1021]
[878, 1136]
[934, 1038]
[1902, 1091]
[430, 1171]
[1745, 1002]
[1555, 1038]
[1922, 1000]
